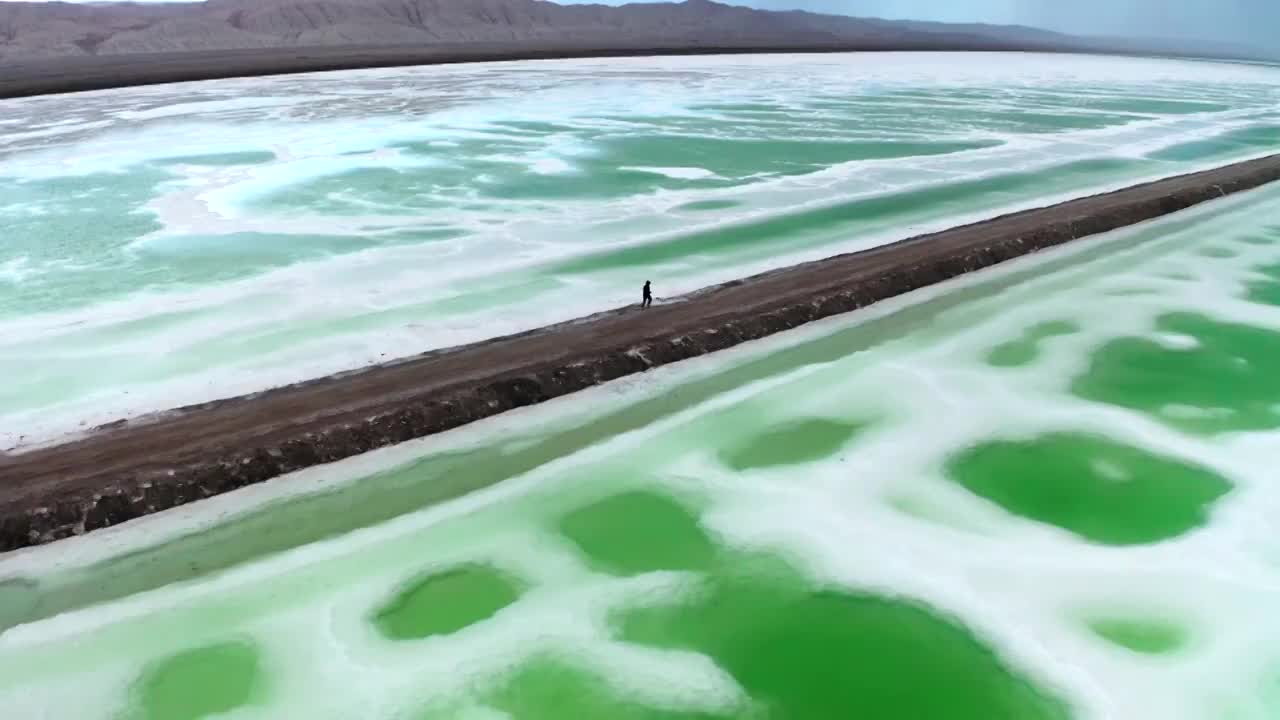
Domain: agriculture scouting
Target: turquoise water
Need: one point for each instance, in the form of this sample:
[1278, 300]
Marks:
[168, 245]
[1039, 491]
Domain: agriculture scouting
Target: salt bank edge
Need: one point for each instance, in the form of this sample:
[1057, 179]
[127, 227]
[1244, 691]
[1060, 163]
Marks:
[130, 469]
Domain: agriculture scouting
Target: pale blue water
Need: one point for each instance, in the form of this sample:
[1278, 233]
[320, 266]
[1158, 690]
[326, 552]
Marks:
[167, 245]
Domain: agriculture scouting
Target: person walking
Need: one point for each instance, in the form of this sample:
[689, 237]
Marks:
[647, 297]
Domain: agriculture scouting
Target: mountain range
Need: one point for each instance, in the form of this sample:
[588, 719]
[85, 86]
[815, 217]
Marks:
[48, 47]
[36, 30]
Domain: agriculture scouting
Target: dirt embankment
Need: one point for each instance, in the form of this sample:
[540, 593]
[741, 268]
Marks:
[131, 469]
[77, 74]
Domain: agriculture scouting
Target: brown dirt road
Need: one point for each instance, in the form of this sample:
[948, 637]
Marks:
[130, 469]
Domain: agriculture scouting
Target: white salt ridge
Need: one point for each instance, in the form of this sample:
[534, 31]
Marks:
[16, 270]
[206, 107]
[678, 173]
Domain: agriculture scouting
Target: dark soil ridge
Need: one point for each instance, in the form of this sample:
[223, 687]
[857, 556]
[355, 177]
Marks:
[25, 78]
[82, 74]
[130, 469]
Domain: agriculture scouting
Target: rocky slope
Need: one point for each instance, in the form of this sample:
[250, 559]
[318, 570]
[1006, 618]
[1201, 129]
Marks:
[44, 30]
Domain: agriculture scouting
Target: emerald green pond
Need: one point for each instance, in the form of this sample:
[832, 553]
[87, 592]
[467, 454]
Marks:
[1040, 492]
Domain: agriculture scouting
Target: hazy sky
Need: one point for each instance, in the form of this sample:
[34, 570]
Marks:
[1256, 22]
[1253, 21]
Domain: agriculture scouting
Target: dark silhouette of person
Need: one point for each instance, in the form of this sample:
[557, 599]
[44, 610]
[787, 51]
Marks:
[647, 299]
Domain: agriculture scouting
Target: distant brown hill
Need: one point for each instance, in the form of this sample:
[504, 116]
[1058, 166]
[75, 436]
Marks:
[49, 47]
[43, 30]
